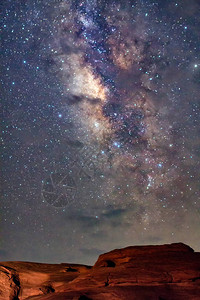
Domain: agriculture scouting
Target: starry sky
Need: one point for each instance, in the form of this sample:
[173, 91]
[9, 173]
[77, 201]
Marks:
[100, 132]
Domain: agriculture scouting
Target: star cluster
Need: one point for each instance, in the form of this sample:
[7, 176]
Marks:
[100, 126]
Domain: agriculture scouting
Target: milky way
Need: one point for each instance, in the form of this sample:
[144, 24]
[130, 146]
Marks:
[100, 127]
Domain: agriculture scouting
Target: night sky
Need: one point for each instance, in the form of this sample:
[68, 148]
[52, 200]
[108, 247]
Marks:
[101, 127]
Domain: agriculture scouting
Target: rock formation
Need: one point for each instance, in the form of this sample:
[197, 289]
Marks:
[165, 272]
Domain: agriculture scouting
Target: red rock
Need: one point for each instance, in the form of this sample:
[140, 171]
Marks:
[165, 272]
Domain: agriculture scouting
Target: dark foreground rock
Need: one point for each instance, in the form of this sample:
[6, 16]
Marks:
[165, 272]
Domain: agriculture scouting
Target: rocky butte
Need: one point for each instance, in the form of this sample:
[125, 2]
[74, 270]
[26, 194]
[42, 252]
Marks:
[163, 272]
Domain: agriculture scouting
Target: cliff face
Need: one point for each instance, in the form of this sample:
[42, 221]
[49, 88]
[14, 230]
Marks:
[166, 272]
